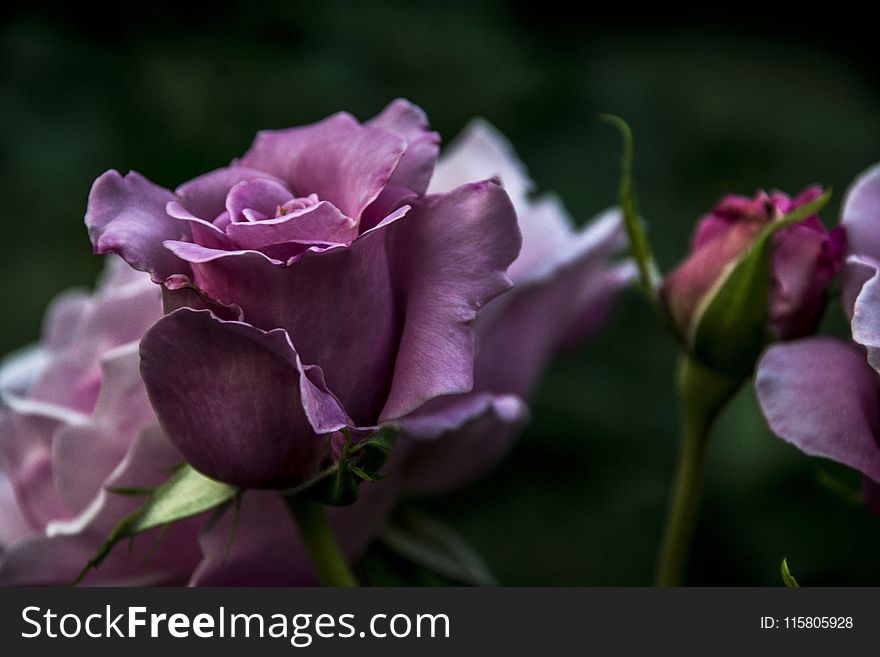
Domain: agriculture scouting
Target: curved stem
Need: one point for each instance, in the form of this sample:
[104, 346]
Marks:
[702, 393]
[320, 544]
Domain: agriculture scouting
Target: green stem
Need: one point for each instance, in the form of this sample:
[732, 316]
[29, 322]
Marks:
[702, 394]
[320, 544]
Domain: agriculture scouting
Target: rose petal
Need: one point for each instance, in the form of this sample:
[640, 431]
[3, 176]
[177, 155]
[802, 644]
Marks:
[120, 312]
[821, 396]
[264, 196]
[58, 556]
[338, 159]
[26, 450]
[866, 313]
[14, 527]
[319, 223]
[338, 308]
[415, 168]
[441, 294]
[84, 455]
[237, 401]
[683, 289]
[65, 311]
[203, 232]
[861, 218]
[205, 195]
[20, 369]
[196, 254]
[478, 153]
[452, 440]
[800, 273]
[127, 216]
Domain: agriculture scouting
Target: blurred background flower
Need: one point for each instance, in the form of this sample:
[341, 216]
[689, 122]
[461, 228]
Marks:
[715, 107]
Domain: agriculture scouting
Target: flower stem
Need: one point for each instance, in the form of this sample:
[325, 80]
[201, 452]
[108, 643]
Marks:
[320, 544]
[702, 394]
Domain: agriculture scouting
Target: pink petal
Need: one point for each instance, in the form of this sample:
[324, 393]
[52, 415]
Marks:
[451, 441]
[861, 218]
[338, 159]
[319, 223]
[205, 195]
[415, 168]
[820, 395]
[127, 216]
[450, 254]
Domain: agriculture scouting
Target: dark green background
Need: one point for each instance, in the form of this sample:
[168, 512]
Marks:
[717, 105]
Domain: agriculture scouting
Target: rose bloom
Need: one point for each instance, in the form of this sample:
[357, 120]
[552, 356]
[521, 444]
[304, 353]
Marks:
[823, 394]
[805, 259]
[562, 275]
[312, 290]
[565, 280]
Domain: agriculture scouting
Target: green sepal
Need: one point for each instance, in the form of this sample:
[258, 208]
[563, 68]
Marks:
[787, 578]
[360, 462]
[186, 493]
[649, 274]
[729, 329]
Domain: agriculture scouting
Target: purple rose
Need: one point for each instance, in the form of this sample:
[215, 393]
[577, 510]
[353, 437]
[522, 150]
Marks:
[822, 394]
[805, 259]
[75, 419]
[564, 282]
[312, 287]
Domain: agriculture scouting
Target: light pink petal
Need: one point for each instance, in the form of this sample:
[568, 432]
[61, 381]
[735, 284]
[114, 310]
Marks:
[83, 456]
[14, 527]
[64, 312]
[481, 152]
[26, 450]
[157, 557]
[20, 369]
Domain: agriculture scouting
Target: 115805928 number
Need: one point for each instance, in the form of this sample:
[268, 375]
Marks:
[818, 622]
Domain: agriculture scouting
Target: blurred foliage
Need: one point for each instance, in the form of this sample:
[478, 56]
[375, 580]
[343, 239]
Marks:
[715, 106]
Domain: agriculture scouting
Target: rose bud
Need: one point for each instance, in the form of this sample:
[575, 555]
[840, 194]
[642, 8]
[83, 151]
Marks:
[313, 291]
[565, 280]
[822, 394]
[804, 258]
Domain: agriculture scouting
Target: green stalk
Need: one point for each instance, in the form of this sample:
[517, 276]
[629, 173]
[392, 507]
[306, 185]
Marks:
[702, 394]
[311, 521]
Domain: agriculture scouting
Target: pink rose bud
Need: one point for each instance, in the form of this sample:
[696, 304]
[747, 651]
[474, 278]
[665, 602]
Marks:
[805, 258]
